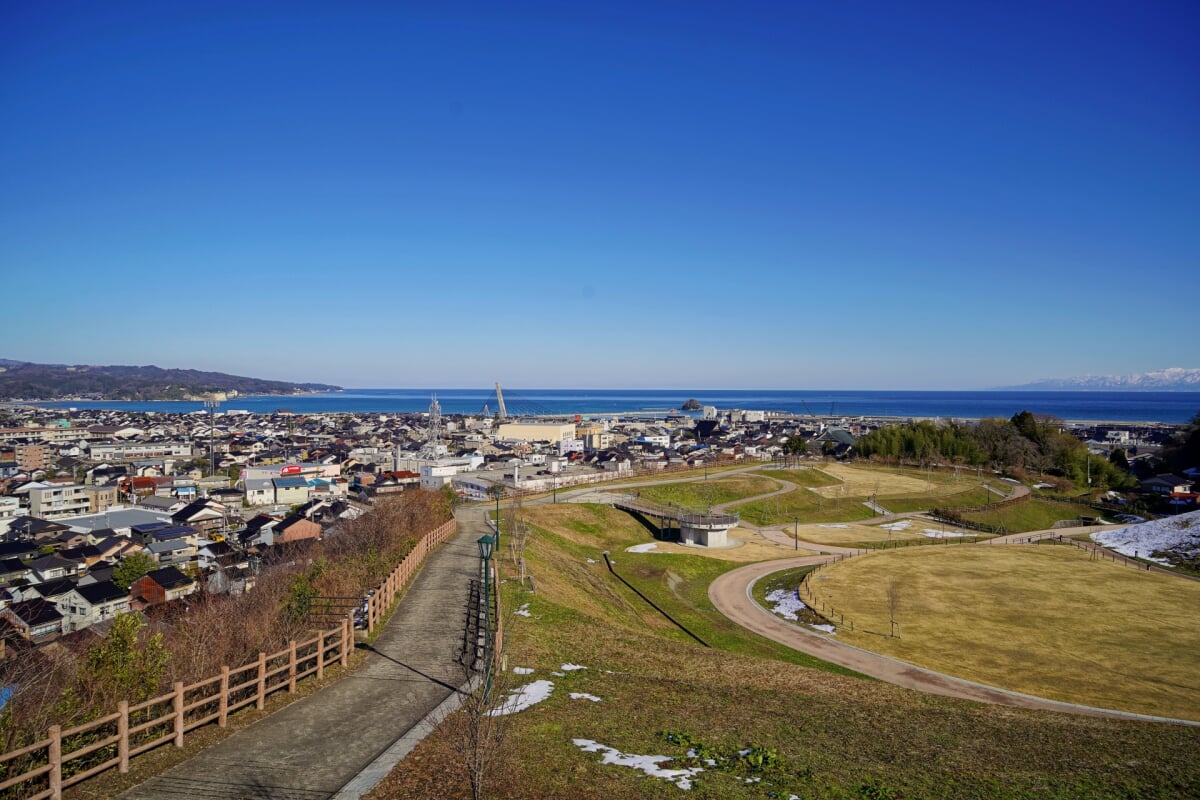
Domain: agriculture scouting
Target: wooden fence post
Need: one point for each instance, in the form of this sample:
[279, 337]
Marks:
[123, 736]
[223, 702]
[321, 654]
[371, 613]
[178, 704]
[261, 700]
[54, 755]
[291, 666]
[346, 642]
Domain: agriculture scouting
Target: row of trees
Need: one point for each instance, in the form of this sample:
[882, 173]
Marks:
[139, 659]
[1025, 443]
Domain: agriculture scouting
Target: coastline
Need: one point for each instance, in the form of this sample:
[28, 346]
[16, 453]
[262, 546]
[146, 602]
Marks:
[827, 406]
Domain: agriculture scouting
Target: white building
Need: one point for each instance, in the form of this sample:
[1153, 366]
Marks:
[435, 476]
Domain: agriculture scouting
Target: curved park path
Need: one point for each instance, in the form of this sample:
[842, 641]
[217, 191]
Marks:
[730, 593]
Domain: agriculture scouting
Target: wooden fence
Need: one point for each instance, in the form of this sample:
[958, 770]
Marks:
[72, 755]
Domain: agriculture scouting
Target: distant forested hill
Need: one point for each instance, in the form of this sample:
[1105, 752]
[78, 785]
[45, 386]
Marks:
[24, 381]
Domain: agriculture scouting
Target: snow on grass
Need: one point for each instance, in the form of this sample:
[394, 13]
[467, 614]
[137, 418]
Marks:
[523, 611]
[936, 534]
[522, 670]
[785, 603]
[592, 561]
[1178, 536]
[584, 696]
[835, 525]
[900, 525]
[648, 547]
[788, 605]
[571, 667]
[647, 764]
[522, 698]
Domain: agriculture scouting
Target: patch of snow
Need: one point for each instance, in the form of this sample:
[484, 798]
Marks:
[522, 698]
[592, 561]
[523, 611]
[785, 603]
[647, 764]
[584, 696]
[571, 667]
[899, 525]
[1043, 486]
[559, 674]
[642, 548]
[1179, 535]
[523, 670]
[825, 628]
[936, 534]
[838, 525]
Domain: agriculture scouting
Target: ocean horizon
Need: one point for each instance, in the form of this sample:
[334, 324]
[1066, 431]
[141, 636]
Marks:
[1082, 406]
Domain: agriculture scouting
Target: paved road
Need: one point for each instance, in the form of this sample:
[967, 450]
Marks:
[314, 747]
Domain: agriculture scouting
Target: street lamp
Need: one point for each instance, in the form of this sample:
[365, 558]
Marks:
[486, 546]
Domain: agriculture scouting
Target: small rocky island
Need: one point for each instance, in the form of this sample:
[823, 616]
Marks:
[692, 404]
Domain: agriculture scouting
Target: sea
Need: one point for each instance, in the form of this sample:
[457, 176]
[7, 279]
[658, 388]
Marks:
[1089, 406]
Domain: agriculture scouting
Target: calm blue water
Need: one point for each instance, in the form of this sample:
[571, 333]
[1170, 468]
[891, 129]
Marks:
[1124, 406]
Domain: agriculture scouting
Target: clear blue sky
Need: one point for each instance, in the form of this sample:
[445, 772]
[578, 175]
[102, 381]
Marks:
[652, 194]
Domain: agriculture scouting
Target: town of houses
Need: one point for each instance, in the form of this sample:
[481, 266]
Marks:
[210, 498]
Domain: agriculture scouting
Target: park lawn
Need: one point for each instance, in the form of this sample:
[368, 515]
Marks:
[974, 496]
[1040, 619]
[839, 495]
[704, 494]
[1031, 515]
[802, 476]
[565, 537]
[858, 535]
[828, 736]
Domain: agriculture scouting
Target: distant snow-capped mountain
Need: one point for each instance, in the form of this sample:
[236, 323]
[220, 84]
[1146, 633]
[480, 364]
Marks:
[1172, 379]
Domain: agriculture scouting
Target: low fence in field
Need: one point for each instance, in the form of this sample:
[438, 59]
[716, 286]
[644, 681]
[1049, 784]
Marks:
[72, 755]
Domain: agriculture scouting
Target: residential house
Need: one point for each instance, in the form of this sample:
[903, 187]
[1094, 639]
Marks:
[204, 515]
[161, 586]
[33, 527]
[35, 620]
[1167, 484]
[53, 567]
[295, 528]
[259, 531]
[13, 570]
[290, 490]
[91, 604]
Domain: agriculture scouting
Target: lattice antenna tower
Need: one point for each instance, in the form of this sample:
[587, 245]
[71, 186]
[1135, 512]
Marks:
[435, 426]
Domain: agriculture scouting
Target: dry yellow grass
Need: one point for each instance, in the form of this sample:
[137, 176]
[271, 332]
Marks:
[851, 534]
[863, 482]
[1043, 620]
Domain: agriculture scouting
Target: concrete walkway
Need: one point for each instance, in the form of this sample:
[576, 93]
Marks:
[314, 747]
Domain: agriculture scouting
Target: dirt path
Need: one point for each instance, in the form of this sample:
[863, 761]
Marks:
[730, 593]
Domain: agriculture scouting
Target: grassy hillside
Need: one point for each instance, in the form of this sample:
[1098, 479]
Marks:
[773, 725]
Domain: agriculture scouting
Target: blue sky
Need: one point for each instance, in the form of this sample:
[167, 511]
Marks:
[654, 194]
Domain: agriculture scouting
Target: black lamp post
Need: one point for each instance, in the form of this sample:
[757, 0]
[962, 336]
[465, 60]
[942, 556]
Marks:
[486, 546]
